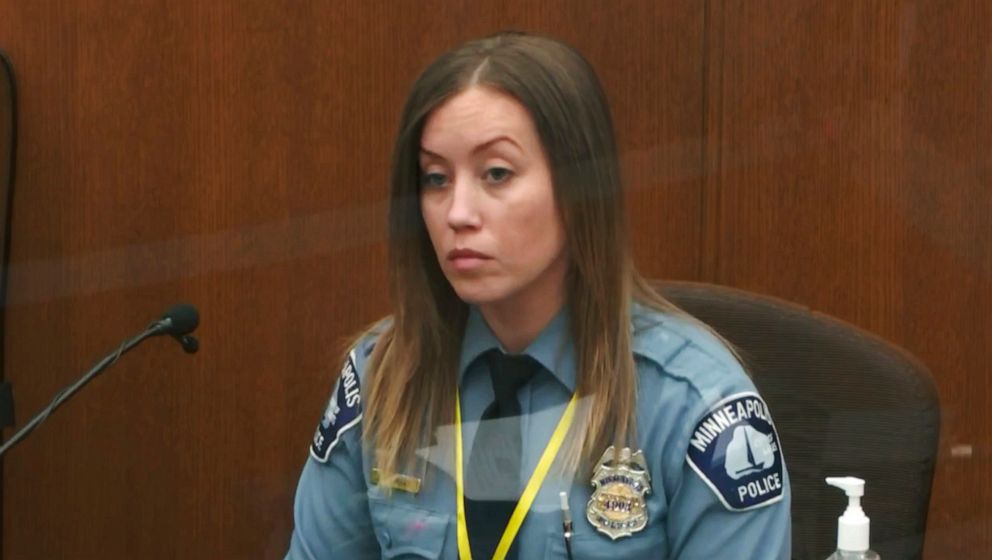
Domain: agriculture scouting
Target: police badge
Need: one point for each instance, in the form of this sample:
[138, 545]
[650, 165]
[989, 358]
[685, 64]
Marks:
[617, 507]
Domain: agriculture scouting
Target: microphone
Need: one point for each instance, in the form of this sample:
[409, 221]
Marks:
[178, 322]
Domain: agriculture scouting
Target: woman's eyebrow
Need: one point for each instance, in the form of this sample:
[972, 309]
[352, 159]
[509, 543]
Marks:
[483, 146]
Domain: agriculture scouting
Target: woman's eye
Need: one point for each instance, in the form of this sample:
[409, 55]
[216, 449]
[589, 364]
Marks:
[497, 175]
[433, 180]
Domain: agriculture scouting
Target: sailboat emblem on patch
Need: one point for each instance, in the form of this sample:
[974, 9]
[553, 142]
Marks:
[617, 507]
[735, 450]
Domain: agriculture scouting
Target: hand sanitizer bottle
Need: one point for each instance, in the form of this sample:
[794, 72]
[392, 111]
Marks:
[852, 527]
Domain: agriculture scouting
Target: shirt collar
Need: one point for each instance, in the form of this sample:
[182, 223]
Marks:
[553, 348]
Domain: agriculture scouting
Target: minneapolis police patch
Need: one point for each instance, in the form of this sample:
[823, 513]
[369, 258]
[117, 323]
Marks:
[344, 411]
[735, 450]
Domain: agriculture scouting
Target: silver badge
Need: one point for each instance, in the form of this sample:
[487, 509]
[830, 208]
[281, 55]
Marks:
[617, 507]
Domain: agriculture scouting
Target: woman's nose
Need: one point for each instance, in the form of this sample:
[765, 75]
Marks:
[463, 211]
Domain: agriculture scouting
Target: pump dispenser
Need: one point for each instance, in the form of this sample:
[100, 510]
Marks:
[852, 527]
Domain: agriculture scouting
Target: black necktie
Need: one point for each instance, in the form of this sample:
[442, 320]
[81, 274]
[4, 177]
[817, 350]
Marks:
[492, 479]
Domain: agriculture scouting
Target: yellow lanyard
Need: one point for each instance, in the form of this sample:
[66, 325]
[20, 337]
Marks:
[530, 491]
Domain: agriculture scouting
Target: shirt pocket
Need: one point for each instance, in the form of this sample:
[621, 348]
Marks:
[405, 531]
[651, 542]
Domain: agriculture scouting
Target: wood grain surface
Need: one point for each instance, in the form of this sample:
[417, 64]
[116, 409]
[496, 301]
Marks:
[235, 155]
[851, 173]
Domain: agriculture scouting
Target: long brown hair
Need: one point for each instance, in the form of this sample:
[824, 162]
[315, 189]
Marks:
[412, 371]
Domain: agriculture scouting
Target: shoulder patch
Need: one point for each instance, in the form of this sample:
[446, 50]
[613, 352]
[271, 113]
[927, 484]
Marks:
[344, 411]
[735, 450]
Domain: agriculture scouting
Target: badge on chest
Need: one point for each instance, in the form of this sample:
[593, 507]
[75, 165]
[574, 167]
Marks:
[617, 507]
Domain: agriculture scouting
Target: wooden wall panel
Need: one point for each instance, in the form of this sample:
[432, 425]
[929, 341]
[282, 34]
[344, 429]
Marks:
[234, 154]
[850, 160]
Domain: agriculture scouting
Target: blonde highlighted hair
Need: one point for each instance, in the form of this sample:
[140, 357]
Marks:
[412, 371]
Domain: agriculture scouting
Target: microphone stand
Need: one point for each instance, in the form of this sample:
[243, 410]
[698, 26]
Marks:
[64, 394]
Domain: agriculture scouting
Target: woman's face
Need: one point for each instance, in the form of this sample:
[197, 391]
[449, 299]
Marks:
[488, 203]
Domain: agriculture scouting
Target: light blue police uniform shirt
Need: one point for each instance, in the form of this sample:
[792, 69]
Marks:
[718, 483]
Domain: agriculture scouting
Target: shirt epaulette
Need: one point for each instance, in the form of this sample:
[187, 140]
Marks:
[682, 348]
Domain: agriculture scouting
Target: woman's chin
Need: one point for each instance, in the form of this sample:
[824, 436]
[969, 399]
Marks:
[473, 298]
[477, 295]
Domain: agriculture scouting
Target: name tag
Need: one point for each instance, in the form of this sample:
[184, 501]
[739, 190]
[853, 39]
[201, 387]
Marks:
[402, 482]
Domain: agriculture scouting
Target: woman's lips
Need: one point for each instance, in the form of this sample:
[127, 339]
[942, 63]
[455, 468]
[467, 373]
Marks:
[465, 260]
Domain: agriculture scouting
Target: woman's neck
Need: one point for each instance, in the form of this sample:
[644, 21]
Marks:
[515, 325]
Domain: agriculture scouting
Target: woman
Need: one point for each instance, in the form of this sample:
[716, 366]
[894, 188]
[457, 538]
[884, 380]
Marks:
[531, 396]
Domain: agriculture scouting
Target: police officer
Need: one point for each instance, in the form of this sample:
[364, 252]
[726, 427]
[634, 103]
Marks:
[531, 396]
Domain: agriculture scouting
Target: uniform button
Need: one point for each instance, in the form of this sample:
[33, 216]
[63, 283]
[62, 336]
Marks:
[385, 538]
